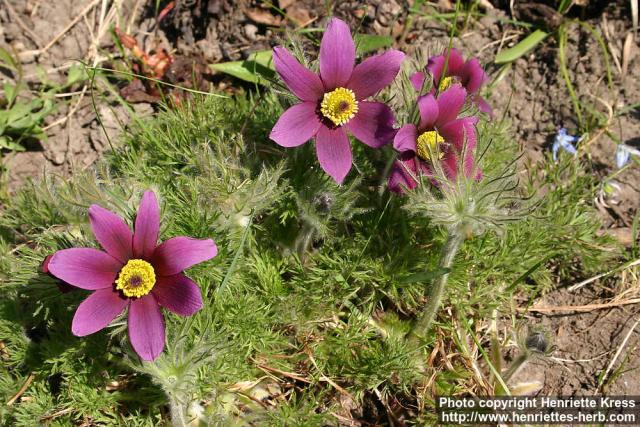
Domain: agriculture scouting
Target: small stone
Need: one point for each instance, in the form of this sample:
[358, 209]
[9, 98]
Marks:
[250, 31]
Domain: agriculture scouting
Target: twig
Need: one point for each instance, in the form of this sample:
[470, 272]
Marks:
[615, 356]
[497, 42]
[285, 373]
[71, 112]
[66, 29]
[33, 36]
[24, 388]
[56, 414]
[327, 379]
[561, 360]
[588, 307]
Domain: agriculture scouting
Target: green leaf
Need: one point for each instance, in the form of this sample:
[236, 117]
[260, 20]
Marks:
[257, 68]
[529, 272]
[77, 73]
[425, 276]
[366, 43]
[519, 50]
[8, 144]
[19, 115]
[6, 60]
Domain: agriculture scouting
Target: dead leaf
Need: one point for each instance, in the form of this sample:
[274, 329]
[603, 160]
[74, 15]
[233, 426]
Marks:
[444, 5]
[300, 15]
[285, 3]
[261, 16]
[137, 92]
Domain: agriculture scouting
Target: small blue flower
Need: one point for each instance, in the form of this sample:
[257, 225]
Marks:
[563, 140]
[624, 153]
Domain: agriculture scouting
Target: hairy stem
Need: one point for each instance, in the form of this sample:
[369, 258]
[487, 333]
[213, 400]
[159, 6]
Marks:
[449, 251]
[515, 365]
[178, 412]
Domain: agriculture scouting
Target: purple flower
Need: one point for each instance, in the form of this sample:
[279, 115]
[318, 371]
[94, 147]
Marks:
[469, 74]
[440, 134]
[333, 102]
[135, 272]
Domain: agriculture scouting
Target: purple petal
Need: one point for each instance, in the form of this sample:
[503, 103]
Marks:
[179, 253]
[337, 55]
[297, 125]
[405, 139]
[429, 112]
[97, 311]
[483, 105]
[449, 164]
[402, 176]
[417, 80]
[45, 264]
[470, 167]
[458, 131]
[304, 83]
[455, 64]
[85, 268]
[450, 102]
[375, 73]
[178, 294]
[472, 76]
[146, 327]
[373, 124]
[111, 232]
[435, 65]
[334, 152]
[147, 227]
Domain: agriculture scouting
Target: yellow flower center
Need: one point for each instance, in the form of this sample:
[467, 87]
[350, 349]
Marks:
[427, 145]
[339, 105]
[136, 278]
[445, 83]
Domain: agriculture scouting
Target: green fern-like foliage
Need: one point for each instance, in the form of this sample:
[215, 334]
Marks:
[306, 301]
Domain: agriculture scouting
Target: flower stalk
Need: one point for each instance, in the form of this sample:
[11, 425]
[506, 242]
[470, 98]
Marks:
[450, 249]
[177, 411]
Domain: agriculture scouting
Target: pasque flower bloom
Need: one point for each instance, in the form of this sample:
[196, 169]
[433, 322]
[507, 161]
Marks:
[333, 102]
[440, 136]
[469, 74]
[133, 271]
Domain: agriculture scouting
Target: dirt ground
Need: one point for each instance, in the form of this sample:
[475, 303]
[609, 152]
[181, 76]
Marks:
[533, 96]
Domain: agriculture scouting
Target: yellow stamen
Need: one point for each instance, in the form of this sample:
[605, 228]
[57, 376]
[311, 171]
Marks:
[339, 106]
[136, 278]
[427, 144]
[445, 83]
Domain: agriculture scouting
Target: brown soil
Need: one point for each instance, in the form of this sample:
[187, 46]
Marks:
[533, 96]
[585, 344]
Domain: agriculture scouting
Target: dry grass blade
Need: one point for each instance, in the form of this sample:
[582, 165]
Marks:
[626, 53]
[33, 36]
[581, 308]
[634, 15]
[599, 276]
[610, 44]
[615, 356]
[66, 29]
[24, 388]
